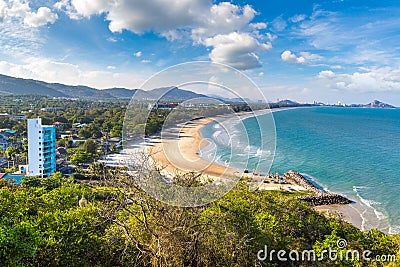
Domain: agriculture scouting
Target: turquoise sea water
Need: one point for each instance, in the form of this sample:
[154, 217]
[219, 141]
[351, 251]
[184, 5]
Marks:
[352, 151]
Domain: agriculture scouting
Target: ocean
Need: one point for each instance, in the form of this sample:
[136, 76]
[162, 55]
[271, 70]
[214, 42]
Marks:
[352, 151]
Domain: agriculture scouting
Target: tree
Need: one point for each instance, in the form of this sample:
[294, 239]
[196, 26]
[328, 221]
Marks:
[11, 152]
[116, 131]
[81, 157]
[90, 146]
[31, 181]
[85, 132]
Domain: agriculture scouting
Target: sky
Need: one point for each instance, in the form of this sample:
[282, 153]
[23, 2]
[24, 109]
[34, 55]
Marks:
[329, 51]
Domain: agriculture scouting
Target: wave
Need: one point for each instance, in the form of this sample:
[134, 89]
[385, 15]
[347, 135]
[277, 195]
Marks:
[314, 181]
[394, 229]
[369, 203]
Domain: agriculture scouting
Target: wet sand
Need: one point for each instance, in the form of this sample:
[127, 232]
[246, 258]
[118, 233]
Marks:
[347, 212]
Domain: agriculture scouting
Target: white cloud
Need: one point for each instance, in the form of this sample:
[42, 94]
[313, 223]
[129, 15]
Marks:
[3, 9]
[371, 80]
[224, 18]
[279, 24]
[60, 72]
[111, 67]
[172, 35]
[112, 39]
[145, 61]
[288, 56]
[138, 16]
[200, 20]
[336, 67]
[237, 50]
[89, 7]
[21, 10]
[298, 18]
[309, 57]
[326, 74]
[138, 54]
[18, 9]
[259, 25]
[42, 17]
[271, 37]
[304, 58]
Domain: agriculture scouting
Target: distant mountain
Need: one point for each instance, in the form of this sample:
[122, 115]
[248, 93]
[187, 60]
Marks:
[173, 93]
[287, 103]
[120, 93]
[11, 85]
[373, 104]
[378, 104]
[232, 100]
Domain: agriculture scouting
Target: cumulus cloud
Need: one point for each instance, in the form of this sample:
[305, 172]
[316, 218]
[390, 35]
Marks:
[370, 80]
[305, 57]
[21, 9]
[224, 18]
[237, 50]
[326, 74]
[138, 54]
[288, 56]
[40, 18]
[205, 23]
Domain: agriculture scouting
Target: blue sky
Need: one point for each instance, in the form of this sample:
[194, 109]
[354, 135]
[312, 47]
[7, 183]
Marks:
[339, 50]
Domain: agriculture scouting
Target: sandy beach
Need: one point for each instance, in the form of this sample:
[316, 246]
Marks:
[177, 151]
[347, 212]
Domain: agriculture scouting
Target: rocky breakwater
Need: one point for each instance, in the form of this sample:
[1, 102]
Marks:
[320, 197]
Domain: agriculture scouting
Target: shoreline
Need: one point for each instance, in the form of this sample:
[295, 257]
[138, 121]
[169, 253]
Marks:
[177, 150]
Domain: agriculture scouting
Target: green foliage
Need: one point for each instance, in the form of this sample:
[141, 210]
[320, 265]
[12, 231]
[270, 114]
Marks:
[41, 224]
[90, 146]
[47, 228]
[81, 157]
[11, 152]
[31, 181]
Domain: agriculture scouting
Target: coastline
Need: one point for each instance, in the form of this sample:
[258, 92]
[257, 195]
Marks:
[347, 212]
[177, 151]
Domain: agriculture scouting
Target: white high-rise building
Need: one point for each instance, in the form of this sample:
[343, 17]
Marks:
[41, 148]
